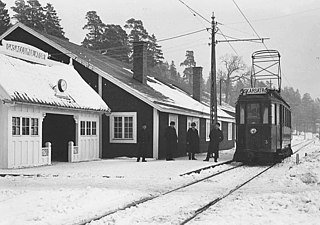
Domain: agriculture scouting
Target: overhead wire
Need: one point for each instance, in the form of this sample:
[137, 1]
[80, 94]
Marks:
[196, 13]
[254, 30]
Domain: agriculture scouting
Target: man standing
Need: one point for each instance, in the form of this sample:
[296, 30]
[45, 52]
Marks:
[171, 140]
[143, 143]
[216, 136]
[192, 141]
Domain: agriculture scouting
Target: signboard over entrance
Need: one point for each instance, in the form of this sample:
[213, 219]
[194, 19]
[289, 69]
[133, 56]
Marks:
[24, 51]
[254, 91]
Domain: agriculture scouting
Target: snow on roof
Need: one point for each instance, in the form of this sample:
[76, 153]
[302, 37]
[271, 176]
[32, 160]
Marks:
[26, 82]
[176, 98]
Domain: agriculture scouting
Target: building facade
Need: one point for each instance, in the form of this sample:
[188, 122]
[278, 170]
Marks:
[47, 111]
[134, 97]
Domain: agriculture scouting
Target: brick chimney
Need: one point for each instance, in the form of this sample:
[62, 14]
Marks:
[197, 75]
[140, 61]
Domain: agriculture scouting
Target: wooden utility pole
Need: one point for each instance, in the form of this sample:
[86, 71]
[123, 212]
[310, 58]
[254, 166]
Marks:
[213, 90]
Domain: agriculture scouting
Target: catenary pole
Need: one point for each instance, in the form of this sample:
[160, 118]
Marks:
[213, 90]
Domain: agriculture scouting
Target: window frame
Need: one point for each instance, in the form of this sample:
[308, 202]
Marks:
[134, 127]
[25, 126]
[175, 118]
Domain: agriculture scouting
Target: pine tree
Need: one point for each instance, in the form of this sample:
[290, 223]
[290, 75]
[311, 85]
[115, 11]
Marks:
[155, 52]
[20, 9]
[52, 22]
[94, 38]
[137, 32]
[173, 71]
[115, 43]
[31, 14]
[5, 23]
[188, 63]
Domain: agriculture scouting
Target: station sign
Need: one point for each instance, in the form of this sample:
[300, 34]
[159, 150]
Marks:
[23, 51]
[254, 91]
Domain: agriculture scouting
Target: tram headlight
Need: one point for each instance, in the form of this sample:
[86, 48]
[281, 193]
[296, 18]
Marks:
[253, 130]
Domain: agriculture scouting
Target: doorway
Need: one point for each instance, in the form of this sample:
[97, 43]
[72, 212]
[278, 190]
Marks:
[59, 130]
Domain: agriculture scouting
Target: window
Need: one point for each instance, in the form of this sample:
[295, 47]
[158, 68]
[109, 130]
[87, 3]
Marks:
[253, 111]
[193, 119]
[242, 114]
[15, 125]
[82, 128]
[123, 126]
[230, 131]
[265, 114]
[94, 128]
[128, 127]
[175, 119]
[88, 127]
[25, 126]
[278, 114]
[273, 114]
[207, 130]
[34, 126]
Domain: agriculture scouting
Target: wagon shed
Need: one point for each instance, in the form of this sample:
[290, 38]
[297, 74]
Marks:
[47, 111]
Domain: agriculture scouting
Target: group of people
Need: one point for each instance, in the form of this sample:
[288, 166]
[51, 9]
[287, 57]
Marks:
[193, 142]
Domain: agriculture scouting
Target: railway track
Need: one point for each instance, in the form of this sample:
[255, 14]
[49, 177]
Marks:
[134, 206]
[215, 201]
[154, 197]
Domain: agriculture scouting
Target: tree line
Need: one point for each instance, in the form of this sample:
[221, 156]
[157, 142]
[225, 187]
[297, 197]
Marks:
[116, 41]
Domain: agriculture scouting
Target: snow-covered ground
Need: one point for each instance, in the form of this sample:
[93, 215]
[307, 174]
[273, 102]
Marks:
[70, 193]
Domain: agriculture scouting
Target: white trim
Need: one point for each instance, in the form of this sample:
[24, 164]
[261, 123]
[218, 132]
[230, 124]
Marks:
[134, 127]
[230, 131]
[155, 148]
[207, 129]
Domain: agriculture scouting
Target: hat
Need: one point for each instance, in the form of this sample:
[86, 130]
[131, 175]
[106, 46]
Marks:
[193, 124]
[172, 123]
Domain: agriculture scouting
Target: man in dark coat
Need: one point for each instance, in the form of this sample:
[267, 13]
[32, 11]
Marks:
[216, 136]
[171, 140]
[192, 141]
[143, 143]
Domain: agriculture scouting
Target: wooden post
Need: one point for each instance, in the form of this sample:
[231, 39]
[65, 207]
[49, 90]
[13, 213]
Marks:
[297, 158]
[70, 151]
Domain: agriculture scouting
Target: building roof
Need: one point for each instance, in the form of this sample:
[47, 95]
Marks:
[157, 94]
[25, 82]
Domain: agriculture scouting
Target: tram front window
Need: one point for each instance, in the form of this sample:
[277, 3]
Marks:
[253, 113]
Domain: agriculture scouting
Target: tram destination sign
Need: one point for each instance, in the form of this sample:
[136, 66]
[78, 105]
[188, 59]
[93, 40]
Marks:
[254, 91]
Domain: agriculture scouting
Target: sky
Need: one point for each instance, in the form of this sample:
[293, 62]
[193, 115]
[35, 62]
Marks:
[293, 27]
[70, 193]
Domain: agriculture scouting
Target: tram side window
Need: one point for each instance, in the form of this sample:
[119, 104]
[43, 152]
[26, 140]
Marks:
[241, 114]
[273, 114]
[265, 114]
[253, 112]
[278, 114]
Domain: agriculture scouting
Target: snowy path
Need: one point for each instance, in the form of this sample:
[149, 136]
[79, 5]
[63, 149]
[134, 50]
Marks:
[70, 193]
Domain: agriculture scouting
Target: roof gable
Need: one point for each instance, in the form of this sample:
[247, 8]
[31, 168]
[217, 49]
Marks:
[121, 75]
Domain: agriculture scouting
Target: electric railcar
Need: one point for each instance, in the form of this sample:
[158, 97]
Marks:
[263, 126]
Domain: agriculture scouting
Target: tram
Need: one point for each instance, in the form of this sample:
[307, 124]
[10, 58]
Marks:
[263, 120]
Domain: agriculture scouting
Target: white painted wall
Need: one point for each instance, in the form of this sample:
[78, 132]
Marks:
[26, 150]
[3, 135]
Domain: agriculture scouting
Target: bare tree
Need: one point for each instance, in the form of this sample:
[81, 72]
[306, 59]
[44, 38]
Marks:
[233, 69]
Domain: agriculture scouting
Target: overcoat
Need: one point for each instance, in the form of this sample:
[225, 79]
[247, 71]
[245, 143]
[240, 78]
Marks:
[216, 136]
[192, 141]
